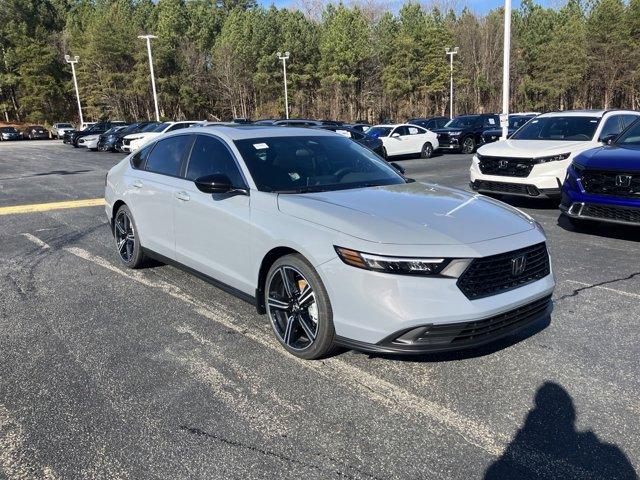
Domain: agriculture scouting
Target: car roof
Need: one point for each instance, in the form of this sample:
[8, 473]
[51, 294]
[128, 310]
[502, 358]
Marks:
[585, 113]
[243, 132]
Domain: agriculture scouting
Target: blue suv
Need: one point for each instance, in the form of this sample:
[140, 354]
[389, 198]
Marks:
[603, 184]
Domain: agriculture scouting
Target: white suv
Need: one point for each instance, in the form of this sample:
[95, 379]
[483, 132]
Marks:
[534, 161]
[405, 139]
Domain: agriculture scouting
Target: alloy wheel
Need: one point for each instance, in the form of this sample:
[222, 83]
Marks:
[427, 150]
[125, 236]
[468, 145]
[292, 308]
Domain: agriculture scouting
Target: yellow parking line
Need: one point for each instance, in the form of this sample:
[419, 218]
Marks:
[43, 207]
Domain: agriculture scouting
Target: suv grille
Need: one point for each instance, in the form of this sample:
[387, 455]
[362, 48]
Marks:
[503, 187]
[508, 167]
[609, 212]
[620, 184]
[499, 273]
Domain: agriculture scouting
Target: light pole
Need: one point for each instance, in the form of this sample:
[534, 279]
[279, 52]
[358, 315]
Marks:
[153, 79]
[284, 59]
[504, 118]
[75, 83]
[451, 53]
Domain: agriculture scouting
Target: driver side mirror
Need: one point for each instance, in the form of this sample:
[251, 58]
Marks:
[217, 183]
[608, 139]
[395, 135]
[399, 168]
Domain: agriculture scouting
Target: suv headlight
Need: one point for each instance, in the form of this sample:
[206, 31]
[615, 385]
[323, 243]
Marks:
[454, 134]
[404, 265]
[552, 158]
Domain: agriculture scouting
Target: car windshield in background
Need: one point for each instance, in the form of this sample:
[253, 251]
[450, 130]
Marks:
[517, 122]
[569, 128]
[379, 131]
[462, 122]
[631, 137]
[313, 163]
[158, 127]
[8, 130]
[65, 125]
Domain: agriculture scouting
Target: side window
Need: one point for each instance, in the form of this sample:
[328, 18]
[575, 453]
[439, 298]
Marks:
[401, 131]
[210, 156]
[166, 156]
[137, 159]
[628, 120]
[490, 122]
[611, 126]
[414, 130]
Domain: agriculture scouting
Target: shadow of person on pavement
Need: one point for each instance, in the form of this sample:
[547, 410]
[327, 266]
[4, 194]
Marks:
[548, 446]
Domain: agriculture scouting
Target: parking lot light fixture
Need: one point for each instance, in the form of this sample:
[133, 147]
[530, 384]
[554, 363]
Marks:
[451, 52]
[504, 118]
[73, 62]
[153, 79]
[284, 59]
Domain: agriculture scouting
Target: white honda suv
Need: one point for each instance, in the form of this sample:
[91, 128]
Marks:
[405, 139]
[534, 161]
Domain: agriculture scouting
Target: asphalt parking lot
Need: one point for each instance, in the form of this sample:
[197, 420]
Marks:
[112, 373]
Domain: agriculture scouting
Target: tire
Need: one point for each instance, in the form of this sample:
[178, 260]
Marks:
[427, 151]
[130, 254]
[304, 331]
[468, 146]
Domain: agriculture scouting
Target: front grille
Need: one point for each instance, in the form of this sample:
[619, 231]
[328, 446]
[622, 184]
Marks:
[444, 139]
[619, 184]
[609, 212]
[458, 334]
[497, 274]
[508, 167]
[504, 187]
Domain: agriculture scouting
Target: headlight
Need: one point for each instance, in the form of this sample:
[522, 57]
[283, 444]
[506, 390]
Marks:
[552, 158]
[454, 134]
[404, 265]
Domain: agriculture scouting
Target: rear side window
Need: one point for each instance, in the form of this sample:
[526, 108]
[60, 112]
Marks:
[211, 156]
[166, 156]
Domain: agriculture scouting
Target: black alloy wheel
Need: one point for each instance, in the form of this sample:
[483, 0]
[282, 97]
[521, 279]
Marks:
[468, 145]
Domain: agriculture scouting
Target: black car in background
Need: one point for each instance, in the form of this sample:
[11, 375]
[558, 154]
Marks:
[111, 140]
[464, 133]
[372, 143]
[35, 132]
[515, 122]
[135, 128]
[9, 133]
[361, 127]
[429, 123]
[97, 128]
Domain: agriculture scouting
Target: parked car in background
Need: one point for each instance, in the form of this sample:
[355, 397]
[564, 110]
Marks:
[85, 125]
[92, 142]
[516, 120]
[429, 122]
[111, 140]
[360, 126]
[297, 122]
[464, 133]
[35, 132]
[97, 128]
[329, 241]
[603, 184]
[133, 141]
[404, 139]
[372, 143]
[10, 133]
[57, 130]
[534, 161]
[265, 121]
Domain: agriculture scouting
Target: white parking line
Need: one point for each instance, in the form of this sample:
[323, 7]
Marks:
[37, 241]
[602, 287]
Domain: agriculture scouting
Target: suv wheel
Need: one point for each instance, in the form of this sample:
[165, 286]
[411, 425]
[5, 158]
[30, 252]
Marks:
[127, 242]
[427, 151]
[299, 308]
[468, 145]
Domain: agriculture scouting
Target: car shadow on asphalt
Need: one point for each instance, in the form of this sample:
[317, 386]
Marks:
[609, 230]
[549, 431]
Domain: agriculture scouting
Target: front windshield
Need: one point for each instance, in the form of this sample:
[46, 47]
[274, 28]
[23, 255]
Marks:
[8, 130]
[158, 127]
[313, 163]
[152, 127]
[65, 125]
[569, 128]
[379, 131]
[462, 122]
[631, 137]
[518, 121]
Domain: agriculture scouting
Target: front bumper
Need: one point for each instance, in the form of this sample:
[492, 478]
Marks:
[544, 181]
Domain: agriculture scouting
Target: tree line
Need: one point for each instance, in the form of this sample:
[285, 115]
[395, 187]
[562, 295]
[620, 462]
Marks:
[216, 59]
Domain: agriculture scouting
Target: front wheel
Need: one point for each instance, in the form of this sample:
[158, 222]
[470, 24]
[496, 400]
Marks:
[299, 309]
[427, 151]
[468, 145]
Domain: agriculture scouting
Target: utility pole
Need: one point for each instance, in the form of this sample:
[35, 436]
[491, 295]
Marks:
[504, 118]
[153, 79]
[75, 83]
[284, 59]
[451, 53]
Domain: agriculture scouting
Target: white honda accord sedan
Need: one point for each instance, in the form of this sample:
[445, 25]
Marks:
[330, 241]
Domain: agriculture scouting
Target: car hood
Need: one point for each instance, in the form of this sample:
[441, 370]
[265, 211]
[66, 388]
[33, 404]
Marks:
[141, 135]
[611, 158]
[532, 148]
[408, 214]
[88, 138]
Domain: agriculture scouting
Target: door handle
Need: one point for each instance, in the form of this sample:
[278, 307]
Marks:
[184, 196]
[137, 184]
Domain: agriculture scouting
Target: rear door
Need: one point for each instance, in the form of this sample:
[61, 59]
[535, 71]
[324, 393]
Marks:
[153, 188]
[213, 231]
